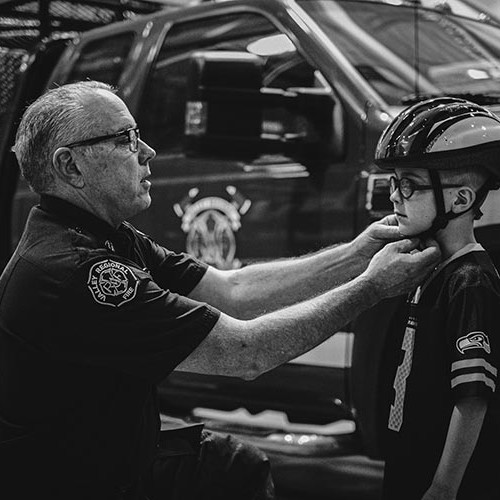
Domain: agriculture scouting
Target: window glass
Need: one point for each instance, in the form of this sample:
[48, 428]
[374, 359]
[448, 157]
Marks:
[103, 59]
[162, 112]
[453, 55]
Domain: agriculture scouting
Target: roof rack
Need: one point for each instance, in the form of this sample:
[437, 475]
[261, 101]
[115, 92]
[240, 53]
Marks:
[24, 23]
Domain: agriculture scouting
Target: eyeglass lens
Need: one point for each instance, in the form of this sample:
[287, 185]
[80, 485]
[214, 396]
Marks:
[133, 137]
[406, 186]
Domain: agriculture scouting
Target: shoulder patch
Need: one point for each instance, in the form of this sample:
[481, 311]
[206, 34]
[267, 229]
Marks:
[474, 340]
[112, 283]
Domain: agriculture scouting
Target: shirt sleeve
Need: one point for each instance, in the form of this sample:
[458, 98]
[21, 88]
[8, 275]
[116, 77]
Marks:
[116, 316]
[472, 329]
[179, 272]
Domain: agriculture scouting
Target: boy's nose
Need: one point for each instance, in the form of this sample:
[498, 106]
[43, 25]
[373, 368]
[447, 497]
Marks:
[395, 197]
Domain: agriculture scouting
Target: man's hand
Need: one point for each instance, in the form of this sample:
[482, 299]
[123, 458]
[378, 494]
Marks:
[376, 236]
[399, 267]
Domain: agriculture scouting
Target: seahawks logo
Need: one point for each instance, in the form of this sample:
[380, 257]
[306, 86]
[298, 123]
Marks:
[474, 340]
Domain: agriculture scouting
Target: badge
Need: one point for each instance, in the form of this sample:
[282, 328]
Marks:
[112, 283]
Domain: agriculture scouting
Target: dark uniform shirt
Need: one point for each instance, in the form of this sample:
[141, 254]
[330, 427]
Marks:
[91, 318]
[443, 347]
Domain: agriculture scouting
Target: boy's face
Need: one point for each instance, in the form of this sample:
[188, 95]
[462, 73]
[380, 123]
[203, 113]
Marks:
[415, 214]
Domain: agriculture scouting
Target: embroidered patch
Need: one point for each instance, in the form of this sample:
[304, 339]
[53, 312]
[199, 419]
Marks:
[112, 283]
[474, 340]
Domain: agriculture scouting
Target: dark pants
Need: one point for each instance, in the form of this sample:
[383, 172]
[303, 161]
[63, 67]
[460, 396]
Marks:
[190, 464]
[201, 465]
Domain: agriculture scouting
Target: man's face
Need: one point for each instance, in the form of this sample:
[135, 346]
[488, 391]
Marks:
[115, 177]
[415, 214]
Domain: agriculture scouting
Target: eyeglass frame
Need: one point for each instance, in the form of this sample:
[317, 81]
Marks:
[395, 184]
[133, 143]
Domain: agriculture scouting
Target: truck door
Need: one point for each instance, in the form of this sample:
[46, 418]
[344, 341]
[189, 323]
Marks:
[226, 209]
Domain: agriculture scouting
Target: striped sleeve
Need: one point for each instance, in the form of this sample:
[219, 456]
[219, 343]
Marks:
[473, 334]
[473, 371]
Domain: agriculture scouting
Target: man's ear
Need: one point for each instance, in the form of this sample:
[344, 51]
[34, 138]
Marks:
[66, 168]
[464, 198]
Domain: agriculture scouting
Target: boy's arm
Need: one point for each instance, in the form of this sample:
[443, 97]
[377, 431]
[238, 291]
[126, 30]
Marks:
[463, 432]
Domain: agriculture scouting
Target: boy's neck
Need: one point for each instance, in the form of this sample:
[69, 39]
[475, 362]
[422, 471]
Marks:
[455, 236]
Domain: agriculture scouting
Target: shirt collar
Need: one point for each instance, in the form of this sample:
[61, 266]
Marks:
[76, 216]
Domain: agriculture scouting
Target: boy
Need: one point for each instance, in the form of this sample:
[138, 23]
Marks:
[442, 415]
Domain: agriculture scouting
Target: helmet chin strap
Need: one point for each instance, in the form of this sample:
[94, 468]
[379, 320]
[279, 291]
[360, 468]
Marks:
[443, 217]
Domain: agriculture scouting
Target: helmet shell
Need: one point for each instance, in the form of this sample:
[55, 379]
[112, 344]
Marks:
[439, 134]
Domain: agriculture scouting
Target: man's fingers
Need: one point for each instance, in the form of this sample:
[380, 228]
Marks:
[389, 220]
[406, 245]
[431, 254]
[401, 266]
[388, 232]
[384, 232]
[429, 242]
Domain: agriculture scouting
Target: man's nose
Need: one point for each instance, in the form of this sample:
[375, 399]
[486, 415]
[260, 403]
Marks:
[146, 153]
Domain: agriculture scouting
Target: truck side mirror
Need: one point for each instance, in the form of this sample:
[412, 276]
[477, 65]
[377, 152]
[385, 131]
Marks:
[228, 113]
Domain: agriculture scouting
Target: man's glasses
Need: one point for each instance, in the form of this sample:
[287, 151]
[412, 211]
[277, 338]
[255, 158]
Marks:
[407, 187]
[132, 134]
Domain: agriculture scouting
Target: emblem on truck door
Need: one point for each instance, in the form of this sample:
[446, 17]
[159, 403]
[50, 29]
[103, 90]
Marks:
[210, 225]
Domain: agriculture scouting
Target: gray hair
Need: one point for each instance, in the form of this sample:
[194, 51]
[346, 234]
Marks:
[56, 118]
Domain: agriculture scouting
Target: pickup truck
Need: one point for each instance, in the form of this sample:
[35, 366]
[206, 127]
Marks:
[265, 115]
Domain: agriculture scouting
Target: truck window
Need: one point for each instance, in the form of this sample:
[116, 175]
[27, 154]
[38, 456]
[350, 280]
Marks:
[161, 115]
[379, 41]
[103, 59]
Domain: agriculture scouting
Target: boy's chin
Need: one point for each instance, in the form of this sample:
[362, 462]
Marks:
[409, 232]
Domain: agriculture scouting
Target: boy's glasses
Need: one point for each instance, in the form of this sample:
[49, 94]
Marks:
[132, 134]
[407, 187]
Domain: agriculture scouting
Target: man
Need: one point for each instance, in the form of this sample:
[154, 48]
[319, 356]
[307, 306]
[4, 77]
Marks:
[93, 314]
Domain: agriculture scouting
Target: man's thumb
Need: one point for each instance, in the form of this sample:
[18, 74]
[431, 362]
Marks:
[406, 245]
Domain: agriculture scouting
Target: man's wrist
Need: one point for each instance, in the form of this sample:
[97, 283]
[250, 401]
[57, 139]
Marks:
[372, 291]
[357, 255]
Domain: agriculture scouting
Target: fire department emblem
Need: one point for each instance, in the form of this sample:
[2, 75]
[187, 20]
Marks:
[210, 225]
[112, 283]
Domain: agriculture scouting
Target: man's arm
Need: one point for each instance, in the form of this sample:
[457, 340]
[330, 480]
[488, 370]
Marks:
[463, 432]
[261, 288]
[248, 348]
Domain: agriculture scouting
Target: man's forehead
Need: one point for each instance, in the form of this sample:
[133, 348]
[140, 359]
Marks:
[109, 111]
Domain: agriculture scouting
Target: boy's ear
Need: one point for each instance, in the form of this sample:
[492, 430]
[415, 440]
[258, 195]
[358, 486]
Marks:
[464, 198]
[66, 168]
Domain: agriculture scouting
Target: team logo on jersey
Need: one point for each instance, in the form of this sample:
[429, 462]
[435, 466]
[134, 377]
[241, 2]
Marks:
[474, 340]
[112, 283]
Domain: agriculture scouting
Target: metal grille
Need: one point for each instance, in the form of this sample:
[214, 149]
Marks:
[23, 23]
[10, 62]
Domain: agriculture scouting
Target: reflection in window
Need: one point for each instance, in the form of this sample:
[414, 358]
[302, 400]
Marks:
[378, 40]
[103, 59]
[162, 112]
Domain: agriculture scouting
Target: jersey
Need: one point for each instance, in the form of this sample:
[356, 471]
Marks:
[91, 319]
[444, 346]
